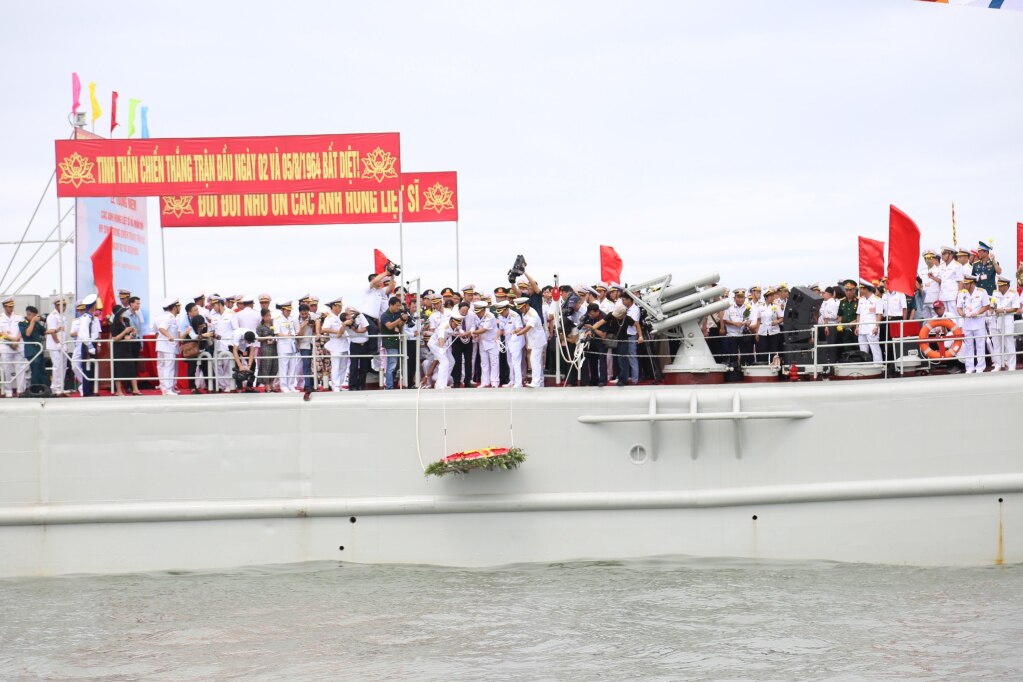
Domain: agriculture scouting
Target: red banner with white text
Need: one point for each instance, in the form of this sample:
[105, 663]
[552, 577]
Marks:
[430, 197]
[261, 166]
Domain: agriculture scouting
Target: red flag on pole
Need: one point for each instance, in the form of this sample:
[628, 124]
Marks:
[113, 112]
[103, 271]
[903, 252]
[380, 261]
[871, 259]
[610, 265]
[76, 92]
[1019, 244]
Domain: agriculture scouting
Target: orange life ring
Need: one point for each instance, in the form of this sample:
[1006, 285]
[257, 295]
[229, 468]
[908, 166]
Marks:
[951, 330]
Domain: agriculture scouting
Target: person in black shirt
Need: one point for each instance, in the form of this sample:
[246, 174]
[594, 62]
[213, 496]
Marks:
[33, 337]
[596, 352]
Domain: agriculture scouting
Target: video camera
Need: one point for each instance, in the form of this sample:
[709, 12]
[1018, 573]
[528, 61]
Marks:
[393, 269]
[517, 269]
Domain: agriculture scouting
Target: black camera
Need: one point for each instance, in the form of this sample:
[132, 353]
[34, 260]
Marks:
[393, 269]
[244, 377]
[517, 269]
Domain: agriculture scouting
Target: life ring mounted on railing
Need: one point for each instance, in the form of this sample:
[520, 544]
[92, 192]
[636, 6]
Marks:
[952, 330]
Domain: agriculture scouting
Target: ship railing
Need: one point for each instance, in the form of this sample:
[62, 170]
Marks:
[15, 365]
[216, 365]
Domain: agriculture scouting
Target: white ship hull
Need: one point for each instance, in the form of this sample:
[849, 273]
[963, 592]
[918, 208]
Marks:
[920, 471]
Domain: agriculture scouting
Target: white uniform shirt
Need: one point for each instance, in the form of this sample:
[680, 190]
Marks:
[536, 337]
[951, 275]
[972, 305]
[866, 310]
[488, 323]
[893, 304]
[223, 325]
[360, 323]
[55, 320]
[633, 312]
[246, 318]
[509, 325]
[932, 290]
[829, 311]
[237, 338]
[374, 302]
[770, 320]
[9, 326]
[168, 322]
[736, 315]
[335, 345]
[1008, 300]
[285, 329]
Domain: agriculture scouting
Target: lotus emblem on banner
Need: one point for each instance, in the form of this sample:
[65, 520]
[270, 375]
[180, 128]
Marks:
[438, 198]
[378, 165]
[177, 206]
[76, 170]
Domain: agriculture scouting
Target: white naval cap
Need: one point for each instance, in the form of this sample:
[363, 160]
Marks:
[479, 304]
[284, 304]
[198, 296]
[90, 300]
[455, 316]
[502, 304]
[168, 302]
[521, 300]
[947, 248]
[245, 298]
[469, 288]
[336, 301]
[7, 299]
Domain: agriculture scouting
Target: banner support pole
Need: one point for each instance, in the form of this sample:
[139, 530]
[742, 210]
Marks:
[163, 258]
[60, 255]
[403, 341]
[458, 261]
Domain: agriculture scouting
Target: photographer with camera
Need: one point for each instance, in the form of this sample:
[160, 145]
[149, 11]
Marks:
[392, 323]
[530, 289]
[592, 333]
[305, 339]
[243, 349]
[362, 348]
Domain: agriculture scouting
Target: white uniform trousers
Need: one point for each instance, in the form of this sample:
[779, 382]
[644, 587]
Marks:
[536, 363]
[8, 371]
[223, 365]
[166, 365]
[1004, 342]
[76, 363]
[338, 369]
[973, 349]
[59, 363]
[871, 343]
[515, 365]
[445, 361]
[288, 369]
[490, 368]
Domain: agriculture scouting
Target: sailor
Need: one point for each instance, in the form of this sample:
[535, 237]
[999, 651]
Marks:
[510, 321]
[338, 344]
[88, 334]
[446, 335]
[867, 328]
[167, 334]
[123, 295]
[768, 331]
[501, 294]
[931, 285]
[1006, 304]
[735, 320]
[536, 339]
[975, 303]
[949, 277]
[286, 329]
[893, 308]
[247, 316]
[222, 324]
[486, 340]
[10, 348]
[986, 268]
[56, 338]
[462, 347]
[264, 305]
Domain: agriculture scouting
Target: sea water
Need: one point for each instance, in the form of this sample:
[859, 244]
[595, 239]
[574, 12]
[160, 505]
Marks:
[663, 619]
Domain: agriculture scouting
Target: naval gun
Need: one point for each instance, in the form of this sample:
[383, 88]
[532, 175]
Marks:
[674, 311]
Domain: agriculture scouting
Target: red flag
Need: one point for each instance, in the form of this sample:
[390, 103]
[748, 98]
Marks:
[1019, 244]
[871, 259]
[903, 252]
[113, 112]
[380, 261]
[103, 271]
[610, 265]
[76, 93]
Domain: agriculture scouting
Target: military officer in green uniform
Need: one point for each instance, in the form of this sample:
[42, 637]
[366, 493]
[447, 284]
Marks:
[986, 269]
[847, 311]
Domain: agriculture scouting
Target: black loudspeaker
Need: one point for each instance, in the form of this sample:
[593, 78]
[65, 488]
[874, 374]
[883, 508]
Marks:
[802, 310]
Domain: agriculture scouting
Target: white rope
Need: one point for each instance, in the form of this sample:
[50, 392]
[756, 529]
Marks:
[419, 449]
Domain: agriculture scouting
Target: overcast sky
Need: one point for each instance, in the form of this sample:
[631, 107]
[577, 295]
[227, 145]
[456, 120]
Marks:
[755, 139]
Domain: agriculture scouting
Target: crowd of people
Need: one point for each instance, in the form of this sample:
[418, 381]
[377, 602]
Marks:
[514, 336]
